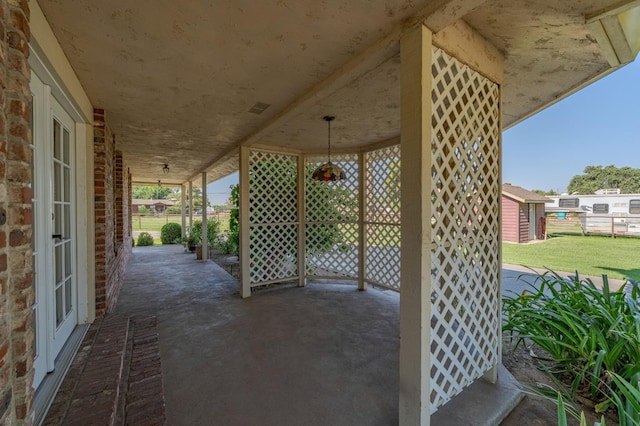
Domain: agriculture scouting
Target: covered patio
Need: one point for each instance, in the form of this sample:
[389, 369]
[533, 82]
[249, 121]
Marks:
[101, 96]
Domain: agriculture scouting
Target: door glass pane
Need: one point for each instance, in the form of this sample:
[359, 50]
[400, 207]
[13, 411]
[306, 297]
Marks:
[67, 221]
[56, 139]
[57, 219]
[67, 186]
[67, 297]
[65, 145]
[58, 263]
[57, 196]
[67, 259]
[59, 306]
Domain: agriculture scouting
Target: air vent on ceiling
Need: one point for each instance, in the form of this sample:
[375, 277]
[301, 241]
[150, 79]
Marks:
[259, 108]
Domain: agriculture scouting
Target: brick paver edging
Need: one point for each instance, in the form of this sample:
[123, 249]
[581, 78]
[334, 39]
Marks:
[115, 378]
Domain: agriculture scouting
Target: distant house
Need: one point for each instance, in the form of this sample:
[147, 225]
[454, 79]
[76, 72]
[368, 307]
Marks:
[523, 217]
[153, 206]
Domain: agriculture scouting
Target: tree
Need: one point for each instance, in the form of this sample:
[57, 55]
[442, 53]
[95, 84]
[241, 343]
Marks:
[543, 192]
[627, 179]
[151, 192]
[197, 200]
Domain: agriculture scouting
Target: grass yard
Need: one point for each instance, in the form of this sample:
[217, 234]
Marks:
[155, 223]
[590, 255]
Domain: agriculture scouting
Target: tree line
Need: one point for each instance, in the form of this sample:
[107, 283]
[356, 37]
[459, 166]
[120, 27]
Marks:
[594, 178]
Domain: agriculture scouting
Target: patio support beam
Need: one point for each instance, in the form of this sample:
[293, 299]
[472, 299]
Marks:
[362, 239]
[183, 210]
[302, 260]
[205, 239]
[245, 276]
[190, 206]
[415, 306]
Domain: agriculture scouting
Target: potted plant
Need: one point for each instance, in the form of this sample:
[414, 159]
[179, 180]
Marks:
[191, 241]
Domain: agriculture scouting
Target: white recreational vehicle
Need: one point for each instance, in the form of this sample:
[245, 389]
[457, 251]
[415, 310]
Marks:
[599, 213]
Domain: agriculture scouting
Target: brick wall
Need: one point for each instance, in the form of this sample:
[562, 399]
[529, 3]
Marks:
[112, 223]
[16, 293]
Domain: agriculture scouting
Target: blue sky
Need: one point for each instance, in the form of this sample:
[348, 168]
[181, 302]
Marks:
[218, 192]
[596, 126]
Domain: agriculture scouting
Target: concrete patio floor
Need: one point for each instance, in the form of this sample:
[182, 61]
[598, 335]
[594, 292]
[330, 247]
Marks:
[326, 354]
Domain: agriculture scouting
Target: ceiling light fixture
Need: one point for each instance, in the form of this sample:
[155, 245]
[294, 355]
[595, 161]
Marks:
[328, 171]
[165, 169]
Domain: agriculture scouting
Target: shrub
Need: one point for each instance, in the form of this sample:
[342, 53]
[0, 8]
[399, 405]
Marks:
[145, 239]
[173, 210]
[213, 227]
[227, 243]
[591, 336]
[230, 242]
[170, 233]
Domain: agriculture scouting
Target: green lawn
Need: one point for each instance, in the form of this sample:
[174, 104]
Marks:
[155, 223]
[589, 255]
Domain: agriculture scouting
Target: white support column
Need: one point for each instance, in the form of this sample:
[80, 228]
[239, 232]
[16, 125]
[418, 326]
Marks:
[302, 259]
[183, 209]
[362, 231]
[415, 289]
[190, 206]
[245, 278]
[205, 239]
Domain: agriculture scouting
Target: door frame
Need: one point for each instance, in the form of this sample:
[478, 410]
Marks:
[46, 92]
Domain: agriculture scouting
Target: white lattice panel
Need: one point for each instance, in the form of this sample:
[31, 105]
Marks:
[273, 252]
[332, 201]
[465, 227]
[273, 235]
[383, 255]
[383, 185]
[331, 211]
[382, 217]
[332, 249]
[272, 187]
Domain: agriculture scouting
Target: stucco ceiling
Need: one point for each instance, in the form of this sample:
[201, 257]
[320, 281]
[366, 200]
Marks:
[178, 79]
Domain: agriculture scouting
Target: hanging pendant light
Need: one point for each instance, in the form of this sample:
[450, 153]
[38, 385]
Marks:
[328, 171]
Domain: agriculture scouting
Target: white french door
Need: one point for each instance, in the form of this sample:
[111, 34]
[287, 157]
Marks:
[55, 306]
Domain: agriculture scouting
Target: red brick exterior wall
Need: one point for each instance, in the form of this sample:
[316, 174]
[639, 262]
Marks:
[16, 293]
[112, 218]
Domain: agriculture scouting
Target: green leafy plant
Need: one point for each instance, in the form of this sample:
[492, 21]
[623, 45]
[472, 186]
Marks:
[229, 242]
[170, 233]
[588, 335]
[213, 227]
[562, 415]
[145, 239]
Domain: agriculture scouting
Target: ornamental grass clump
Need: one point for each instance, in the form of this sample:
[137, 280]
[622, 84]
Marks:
[590, 338]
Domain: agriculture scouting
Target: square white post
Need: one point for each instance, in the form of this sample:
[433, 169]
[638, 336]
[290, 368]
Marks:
[205, 239]
[415, 289]
[245, 277]
[190, 207]
[362, 238]
[302, 259]
[183, 210]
